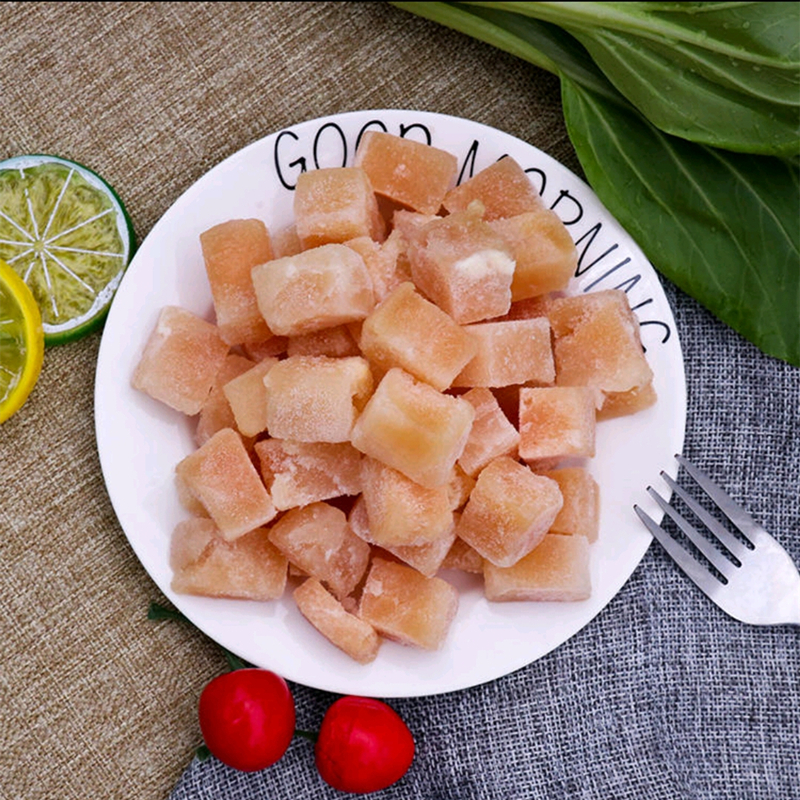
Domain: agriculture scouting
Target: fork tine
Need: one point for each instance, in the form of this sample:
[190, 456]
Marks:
[716, 558]
[695, 571]
[749, 528]
[732, 544]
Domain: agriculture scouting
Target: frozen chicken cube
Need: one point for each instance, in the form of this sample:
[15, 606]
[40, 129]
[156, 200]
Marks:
[545, 255]
[247, 397]
[492, 434]
[407, 172]
[411, 427]
[222, 476]
[597, 342]
[316, 289]
[335, 204]
[316, 399]
[509, 511]
[400, 511]
[557, 570]
[580, 514]
[556, 422]
[507, 353]
[407, 607]
[230, 251]
[301, 473]
[216, 412]
[409, 332]
[180, 360]
[503, 188]
[349, 633]
[248, 569]
[318, 540]
[463, 266]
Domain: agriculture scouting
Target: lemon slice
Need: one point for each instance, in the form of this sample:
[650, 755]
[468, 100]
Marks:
[21, 342]
[65, 232]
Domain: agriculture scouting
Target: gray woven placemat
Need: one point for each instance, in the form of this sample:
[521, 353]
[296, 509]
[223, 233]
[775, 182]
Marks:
[662, 695]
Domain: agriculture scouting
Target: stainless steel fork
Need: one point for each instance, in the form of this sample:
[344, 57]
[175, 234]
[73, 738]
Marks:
[758, 584]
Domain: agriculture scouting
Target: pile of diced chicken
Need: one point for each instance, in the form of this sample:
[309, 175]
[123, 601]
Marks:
[394, 386]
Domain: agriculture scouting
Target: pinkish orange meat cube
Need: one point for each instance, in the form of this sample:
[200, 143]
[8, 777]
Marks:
[462, 557]
[503, 188]
[620, 404]
[230, 251]
[597, 342]
[180, 360]
[334, 205]
[407, 331]
[580, 514]
[316, 399]
[335, 342]
[407, 172]
[400, 511]
[315, 289]
[318, 540]
[189, 540]
[544, 252]
[556, 422]
[407, 607]
[247, 397]
[557, 570]
[301, 473]
[222, 476]
[381, 263]
[216, 412]
[507, 353]
[411, 427]
[248, 569]
[349, 633]
[463, 265]
[509, 511]
[492, 435]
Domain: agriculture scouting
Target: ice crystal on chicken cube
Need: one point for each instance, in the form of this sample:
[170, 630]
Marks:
[411, 427]
[462, 557]
[557, 570]
[406, 172]
[247, 397]
[463, 265]
[509, 511]
[335, 204]
[230, 251]
[503, 188]
[408, 331]
[216, 412]
[508, 353]
[349, 633]
[301, 473]
[407, 607]
[492, 434]
[545, 255]
[580, 514]
[400, 511]
[597, 342]
[180, 360]
[425, 558]
[316, 289]
[556, 422]
[335, 342]
[620, 404]
[316, 399]
[222, 476]
[248, 569]
[319, 541]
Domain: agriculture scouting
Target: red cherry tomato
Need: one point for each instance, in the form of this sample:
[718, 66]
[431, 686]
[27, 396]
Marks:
[363, 746]
[247, 718]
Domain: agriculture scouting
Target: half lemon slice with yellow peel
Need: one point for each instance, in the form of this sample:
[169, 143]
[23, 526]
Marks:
[21, 342]
[65, 232]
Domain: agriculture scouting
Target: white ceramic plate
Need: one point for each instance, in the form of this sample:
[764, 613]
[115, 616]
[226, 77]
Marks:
[140, 441]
